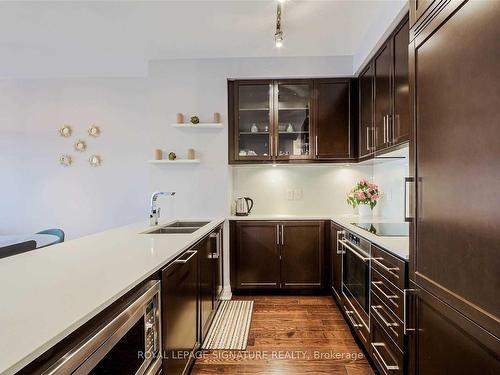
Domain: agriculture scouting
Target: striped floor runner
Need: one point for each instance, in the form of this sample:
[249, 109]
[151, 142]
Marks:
[230, 326]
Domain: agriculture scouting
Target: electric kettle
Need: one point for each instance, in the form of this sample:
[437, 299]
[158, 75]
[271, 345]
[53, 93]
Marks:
[243, 208]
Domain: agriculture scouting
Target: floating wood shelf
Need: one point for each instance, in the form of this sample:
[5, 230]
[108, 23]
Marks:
[177, 161]
[201, 125]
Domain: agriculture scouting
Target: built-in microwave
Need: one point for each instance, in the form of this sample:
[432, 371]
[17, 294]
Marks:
[129, 343]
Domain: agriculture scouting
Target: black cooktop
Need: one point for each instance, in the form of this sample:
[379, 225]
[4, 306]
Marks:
[386, 229]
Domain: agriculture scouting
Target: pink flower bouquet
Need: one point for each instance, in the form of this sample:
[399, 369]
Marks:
[364, 193]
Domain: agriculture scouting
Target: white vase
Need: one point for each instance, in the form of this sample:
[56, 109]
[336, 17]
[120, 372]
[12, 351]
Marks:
[364, 211]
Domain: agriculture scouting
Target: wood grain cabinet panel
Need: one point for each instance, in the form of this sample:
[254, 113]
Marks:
[302, 254]
[400, 120]
[382, 108]
[334, 133]
[336, 262]
[257, 255]
[366, 128]
[443, 341]
[454, 253]
[277, 255]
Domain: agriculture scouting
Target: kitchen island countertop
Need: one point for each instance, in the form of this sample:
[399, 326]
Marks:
[48, 293]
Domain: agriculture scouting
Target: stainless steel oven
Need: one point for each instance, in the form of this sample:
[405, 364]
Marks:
[356, 256]
[128, 343]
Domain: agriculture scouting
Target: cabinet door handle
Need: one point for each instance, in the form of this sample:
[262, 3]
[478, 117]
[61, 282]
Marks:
[355, 325]
[376, 285]
[391, 270]
[277, 234]
[375, 346]
[276, 152]
[316, 145]
[183, 261]
[282, 234]
[405, 323]
[385, 131]
[339, 241]
[408, 204]
[272, 147]
[368, 148]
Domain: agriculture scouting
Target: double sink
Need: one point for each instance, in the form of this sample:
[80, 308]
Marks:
[179, 227]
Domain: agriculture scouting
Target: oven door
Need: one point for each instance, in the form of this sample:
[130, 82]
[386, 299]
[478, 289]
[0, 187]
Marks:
[356, 279]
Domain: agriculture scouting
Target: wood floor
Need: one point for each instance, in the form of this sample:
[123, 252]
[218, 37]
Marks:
[291, 335]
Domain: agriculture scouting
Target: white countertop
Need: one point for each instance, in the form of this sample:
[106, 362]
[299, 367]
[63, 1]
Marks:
[46, 294]
[399, 246]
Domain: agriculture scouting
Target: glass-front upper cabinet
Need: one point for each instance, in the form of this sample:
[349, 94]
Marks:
[253, 104]
[292, 119]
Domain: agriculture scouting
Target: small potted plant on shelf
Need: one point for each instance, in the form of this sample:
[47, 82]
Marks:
[365, 196]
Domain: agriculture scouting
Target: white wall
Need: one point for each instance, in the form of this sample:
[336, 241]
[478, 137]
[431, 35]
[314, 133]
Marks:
[35, 191]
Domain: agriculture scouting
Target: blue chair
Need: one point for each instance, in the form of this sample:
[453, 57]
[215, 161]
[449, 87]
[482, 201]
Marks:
[17, 248]
[55, 232]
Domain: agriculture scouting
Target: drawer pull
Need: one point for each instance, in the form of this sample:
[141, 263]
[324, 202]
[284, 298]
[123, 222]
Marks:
[376, 285]
[183, 261]
[392, 270]
[355, 325]
[375, 346]
[387, 324]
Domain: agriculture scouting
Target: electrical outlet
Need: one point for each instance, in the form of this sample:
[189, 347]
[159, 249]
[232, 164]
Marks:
[298, 194]
[290, 194]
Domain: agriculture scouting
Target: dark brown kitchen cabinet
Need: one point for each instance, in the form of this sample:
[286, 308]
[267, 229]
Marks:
[252, 118]
[179, 295]
[210, 256]
[454, 262]
[382, 108]
[443, 341]
[333, 130]
[277, 255]
[400, 118]
[418, 7]
[292, 120]
[454, 248]
[336, 261]
[302, 249]
[256, 255]
[366, 127]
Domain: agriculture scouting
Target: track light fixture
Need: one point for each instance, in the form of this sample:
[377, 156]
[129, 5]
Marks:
[278, 35]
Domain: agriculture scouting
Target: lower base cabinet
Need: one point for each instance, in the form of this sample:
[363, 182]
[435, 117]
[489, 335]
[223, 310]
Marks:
[277, 255]
[336, 262]
[443, 341]
[179, 313]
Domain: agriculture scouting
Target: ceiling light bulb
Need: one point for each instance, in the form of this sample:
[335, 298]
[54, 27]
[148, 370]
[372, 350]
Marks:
[278, 39]
[281, 1]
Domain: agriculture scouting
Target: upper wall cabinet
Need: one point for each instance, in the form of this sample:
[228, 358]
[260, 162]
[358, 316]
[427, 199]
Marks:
[292, 120]
[385, 116]
[418, 7]
[366, 128]
[333, 130]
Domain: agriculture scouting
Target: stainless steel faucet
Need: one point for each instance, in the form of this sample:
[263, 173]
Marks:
[155, 210]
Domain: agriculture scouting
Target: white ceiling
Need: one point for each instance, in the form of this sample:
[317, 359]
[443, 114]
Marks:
[118, 38]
